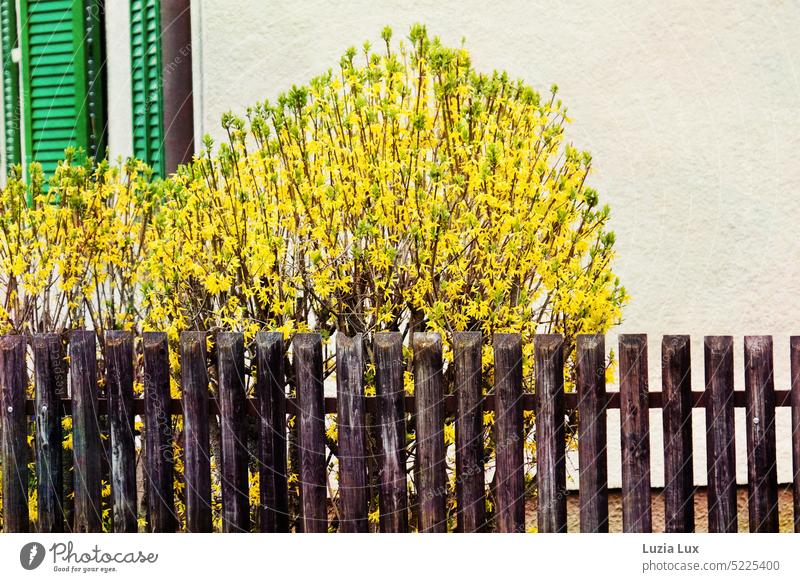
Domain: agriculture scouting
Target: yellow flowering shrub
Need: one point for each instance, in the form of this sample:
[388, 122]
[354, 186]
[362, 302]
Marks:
[402, 191]
[71, 249]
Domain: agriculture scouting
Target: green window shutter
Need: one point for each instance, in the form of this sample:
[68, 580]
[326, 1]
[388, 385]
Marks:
[94, 40]
[8, 36]
[148, 124]
[62, 72]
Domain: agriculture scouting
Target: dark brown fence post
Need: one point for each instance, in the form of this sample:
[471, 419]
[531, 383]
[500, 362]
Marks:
[194, 381]
[635, 427]
[721, 455]
[429, 394]
[550, 432]
[233, 399]
[50, 379]
[760, 421]
[393, 498]
[352, 438]
[508, 434]
[158, 435]
[676, 379]
[85, 431]
[119, 387]
[794, 355]
[592, 441]
[271, 395]
[307, 348]
[470, 487]
[14, 457]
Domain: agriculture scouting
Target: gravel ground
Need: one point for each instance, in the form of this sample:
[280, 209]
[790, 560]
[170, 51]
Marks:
[700, 511]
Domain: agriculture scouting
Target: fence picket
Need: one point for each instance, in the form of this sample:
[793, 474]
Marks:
[119, 386]
[270, 383]
[470, 487]
[158, 434]
[86, 444]
[393, 494]
[550, 432]
[197, 464]
[677, 419]
[50, 384]
[509, 438]
[353, 486]
[635, 432]
[721, 454]
[307, 348]
[592, 461]
[14, 430]
[762, 470]
[232, 400]
[429, 394]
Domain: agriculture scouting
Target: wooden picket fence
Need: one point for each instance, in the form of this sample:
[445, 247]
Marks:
[431, 406]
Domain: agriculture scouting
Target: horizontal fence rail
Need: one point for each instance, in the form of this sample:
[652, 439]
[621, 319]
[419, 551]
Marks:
[609, 401]
[104, 413]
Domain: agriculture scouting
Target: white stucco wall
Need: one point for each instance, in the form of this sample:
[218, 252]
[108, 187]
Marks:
[691, 111]
[118, 72]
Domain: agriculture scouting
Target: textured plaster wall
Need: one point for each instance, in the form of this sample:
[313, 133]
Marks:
[118, 71]
[689, 108]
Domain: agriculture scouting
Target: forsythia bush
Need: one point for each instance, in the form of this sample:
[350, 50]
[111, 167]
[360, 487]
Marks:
[402, 191]
[405, 190]
[71, 250]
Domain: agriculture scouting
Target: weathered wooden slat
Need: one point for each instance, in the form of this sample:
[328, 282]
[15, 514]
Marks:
[353, 486]
[50, 376]
[677, 418]
[307, 349]
[197, 463]
[762, 470]
[635, 433]
[14, 430]
[86, 444]
[390, 400]
[233, 400]
[119, 386]
[509, 438]
[592, 441]
[271, 405]
[158, 434]
[720, 435]
[429, 393]
[550, 432]
[470, 486]
[794, 356]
